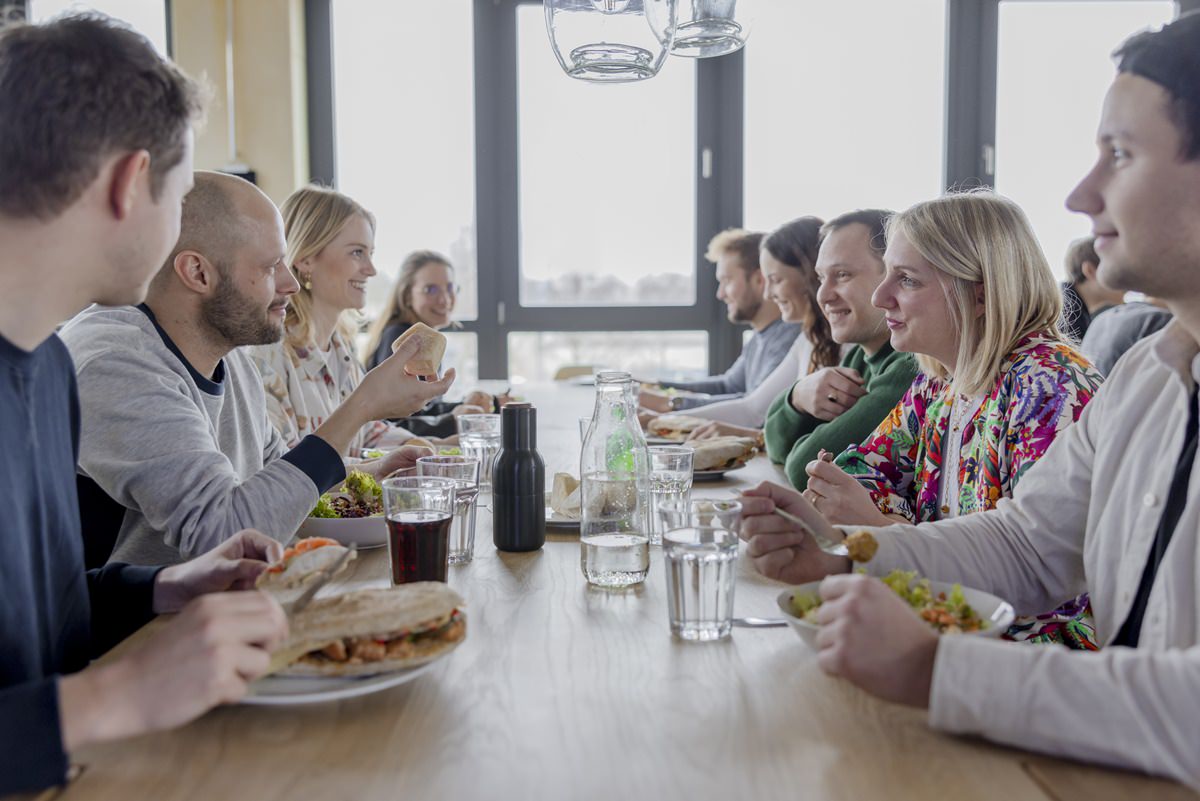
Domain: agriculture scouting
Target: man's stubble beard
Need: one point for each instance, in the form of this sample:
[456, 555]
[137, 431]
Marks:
[237, 319]
[746, 313]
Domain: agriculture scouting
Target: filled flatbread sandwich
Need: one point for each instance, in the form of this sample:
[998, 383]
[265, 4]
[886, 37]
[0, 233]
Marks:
[722, 453]
[372, 631]
[674, 426]
[303, 562]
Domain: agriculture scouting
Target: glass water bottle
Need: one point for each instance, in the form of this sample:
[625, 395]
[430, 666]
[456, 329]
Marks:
[615, 475]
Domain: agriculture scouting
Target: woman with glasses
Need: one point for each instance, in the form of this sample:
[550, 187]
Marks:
[425, 293]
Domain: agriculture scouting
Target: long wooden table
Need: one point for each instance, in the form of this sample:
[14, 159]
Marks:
[562, 691]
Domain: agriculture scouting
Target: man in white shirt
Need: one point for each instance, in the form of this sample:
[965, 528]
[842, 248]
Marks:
[1107, 509]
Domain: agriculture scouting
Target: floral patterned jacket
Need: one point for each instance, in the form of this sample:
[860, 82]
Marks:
[1042, 388]
[305, 385]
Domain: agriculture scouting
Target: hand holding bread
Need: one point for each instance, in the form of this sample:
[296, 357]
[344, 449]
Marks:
[393, 389]
[431, 347]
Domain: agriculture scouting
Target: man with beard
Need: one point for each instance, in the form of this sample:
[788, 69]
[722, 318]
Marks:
[834, 407]
[740, 287]
[175, 428]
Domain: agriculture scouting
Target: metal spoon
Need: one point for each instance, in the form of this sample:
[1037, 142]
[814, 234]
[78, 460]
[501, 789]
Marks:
[760, 622]
[824, 543]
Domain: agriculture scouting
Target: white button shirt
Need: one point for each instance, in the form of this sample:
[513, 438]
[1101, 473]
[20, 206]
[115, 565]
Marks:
[1083, 518]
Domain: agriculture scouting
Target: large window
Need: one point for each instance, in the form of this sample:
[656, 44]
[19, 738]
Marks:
[587, 207]
[147, 17]
[607, 186]
[1053, 68]
[404, 112]
[844, 107]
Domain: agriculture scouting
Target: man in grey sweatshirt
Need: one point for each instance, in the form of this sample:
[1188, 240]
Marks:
[174, 419]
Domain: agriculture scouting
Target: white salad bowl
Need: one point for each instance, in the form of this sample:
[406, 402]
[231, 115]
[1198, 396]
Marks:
[996, 613]
[365, 532]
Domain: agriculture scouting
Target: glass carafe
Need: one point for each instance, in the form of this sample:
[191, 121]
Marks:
[614, 472]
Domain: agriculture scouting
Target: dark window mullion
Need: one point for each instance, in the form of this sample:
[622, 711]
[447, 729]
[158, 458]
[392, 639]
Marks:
[720, 119]
[496, 201]
[972, 32]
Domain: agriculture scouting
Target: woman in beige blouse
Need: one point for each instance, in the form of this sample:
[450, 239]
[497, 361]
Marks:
[330, 239]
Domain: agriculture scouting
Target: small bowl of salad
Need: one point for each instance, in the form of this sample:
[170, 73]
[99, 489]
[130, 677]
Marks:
[948, 609]
[350, 514]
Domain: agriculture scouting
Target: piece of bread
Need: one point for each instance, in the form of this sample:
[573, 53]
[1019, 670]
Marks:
[429, 357]
[565, 497]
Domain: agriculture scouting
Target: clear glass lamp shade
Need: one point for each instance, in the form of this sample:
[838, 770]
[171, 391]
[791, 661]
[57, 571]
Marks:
[611, 41]
[710, 28]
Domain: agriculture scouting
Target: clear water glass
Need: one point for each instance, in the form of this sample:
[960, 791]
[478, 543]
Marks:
[479, 436]
[670, 482]
[700, 513]
[700, 564]
[464, 471]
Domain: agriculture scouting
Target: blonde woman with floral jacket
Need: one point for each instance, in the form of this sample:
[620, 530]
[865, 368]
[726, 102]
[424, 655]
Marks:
[968, 290]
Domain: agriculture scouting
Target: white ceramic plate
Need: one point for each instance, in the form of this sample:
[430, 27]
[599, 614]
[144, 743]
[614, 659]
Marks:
[713, 475]
[998, 613]
[365, 532]
[289, 690]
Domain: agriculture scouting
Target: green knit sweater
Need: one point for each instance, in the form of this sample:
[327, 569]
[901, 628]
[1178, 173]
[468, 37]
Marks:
[794, 438]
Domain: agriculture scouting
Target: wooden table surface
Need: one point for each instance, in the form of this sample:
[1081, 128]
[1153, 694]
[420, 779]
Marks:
[561, 691]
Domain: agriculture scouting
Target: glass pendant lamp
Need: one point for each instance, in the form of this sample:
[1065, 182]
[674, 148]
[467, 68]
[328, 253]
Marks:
[710, 28]
[611, 41]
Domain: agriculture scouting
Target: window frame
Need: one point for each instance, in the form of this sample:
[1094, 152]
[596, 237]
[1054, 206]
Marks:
[972, 58]
[719, 101]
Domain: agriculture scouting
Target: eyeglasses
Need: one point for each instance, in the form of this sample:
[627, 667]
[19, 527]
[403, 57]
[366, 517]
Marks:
[434, 290]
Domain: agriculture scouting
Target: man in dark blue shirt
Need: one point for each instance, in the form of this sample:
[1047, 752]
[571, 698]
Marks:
[95, 158]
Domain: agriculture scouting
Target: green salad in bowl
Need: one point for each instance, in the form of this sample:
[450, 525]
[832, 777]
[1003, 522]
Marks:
[359, 496]
[947, 608]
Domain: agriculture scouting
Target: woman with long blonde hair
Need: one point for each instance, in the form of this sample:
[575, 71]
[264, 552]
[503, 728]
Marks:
[969, 291]
[330, 240]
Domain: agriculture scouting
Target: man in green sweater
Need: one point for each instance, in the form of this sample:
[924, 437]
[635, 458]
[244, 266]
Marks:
[835, 407]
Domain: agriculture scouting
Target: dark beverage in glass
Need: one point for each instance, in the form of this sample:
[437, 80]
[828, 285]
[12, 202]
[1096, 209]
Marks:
[419, 545]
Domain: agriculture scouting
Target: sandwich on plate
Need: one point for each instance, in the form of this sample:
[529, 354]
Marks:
[722, 453]
[302, 563]
[674, 426]
[371, 631]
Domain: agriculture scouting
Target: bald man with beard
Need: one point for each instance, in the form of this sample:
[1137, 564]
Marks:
[175, 429]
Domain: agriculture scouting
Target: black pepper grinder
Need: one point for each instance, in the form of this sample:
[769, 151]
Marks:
[518, 483]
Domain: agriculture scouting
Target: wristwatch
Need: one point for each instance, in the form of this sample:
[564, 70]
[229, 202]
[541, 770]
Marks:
[675, 403]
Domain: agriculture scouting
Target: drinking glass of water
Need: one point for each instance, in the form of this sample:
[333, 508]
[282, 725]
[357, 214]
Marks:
[700, 563]
[702, 513]
[670, 481]
[479, 436]
[464, 471]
